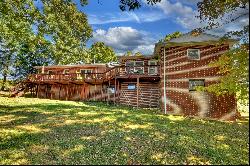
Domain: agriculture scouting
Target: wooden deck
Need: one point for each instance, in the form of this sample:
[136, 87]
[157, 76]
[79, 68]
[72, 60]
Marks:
[119, 72]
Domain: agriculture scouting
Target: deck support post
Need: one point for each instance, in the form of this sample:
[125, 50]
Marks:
[102, 92]
[67, 92]
[84, 91]
[118, 90]
[51, 91]
[137, 89]
[115, 92]
[38, 88]
[59, 91]
[108, 92]
[95, 93]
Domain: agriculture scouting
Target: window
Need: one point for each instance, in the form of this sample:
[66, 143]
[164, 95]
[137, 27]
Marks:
[193, 83]
[50, 72]
[193, 54]
[111, 90]
[136, 67]
[131, 86]
[139, 67]
[152, 70]
[85, 72]
[130, 67]
[66, 71]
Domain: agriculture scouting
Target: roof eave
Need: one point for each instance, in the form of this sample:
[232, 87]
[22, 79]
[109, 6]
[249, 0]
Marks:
[170, 44]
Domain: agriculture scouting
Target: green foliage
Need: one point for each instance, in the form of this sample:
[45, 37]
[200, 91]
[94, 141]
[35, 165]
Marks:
[55, 33]
[214, 10]
[67, 28]
[171, 36]
[100, 53]
[46, 132]
[234, 65]
[134, 4]
[138, 54]
[8, 84]
[128, 53]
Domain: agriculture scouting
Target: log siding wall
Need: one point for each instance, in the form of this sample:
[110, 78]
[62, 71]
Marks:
[148, 96]
[179, 69]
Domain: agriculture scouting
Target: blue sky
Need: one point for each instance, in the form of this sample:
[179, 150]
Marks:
[139, 30]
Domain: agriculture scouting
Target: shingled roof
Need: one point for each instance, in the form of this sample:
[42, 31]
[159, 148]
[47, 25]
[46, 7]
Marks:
[193, 38]
[189, 37]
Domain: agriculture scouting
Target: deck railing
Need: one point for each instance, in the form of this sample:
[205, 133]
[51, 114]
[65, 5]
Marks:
[145, 70]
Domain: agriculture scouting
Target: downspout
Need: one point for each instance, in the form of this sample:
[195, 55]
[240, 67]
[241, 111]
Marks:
[43, 69]
[164, 80]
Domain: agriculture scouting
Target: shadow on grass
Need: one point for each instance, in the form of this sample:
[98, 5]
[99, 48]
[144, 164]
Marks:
[94, 133]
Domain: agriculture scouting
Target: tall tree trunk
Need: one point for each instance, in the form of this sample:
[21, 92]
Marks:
[5, 72]
[4, 81]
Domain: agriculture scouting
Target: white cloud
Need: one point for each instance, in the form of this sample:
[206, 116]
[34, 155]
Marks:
[180, 12]
[124, 39]
[138, 17]
[184, 13]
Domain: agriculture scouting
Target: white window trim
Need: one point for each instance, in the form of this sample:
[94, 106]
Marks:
[141, 67]
[199, 53]
[65, 70]
[196, 79]
[156, 69]
[134, 62]
[129, 66]
[49, 71]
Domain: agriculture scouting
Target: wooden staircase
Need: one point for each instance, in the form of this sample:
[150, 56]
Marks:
[20, 89]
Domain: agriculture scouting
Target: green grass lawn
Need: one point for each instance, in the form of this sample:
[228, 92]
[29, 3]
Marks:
[40, 131]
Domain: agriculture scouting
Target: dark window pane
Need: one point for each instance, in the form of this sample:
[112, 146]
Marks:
[194, 54]
[195, 83]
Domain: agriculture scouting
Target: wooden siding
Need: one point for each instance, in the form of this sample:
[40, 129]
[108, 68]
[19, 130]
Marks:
[73, 92]
[148, 95]
[179, 69]
[145, 60]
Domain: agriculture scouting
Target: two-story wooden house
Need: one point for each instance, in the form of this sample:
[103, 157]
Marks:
[166, 80]
[185, 65]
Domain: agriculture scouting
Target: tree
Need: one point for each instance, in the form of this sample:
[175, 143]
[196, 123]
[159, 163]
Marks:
[128, 53]
[235, 63]
[31, 33]
[217, 13]
[27, 59]
[100, 53]
[171, 36]
[67, 28]
[5, 61]
[138, 54]
[15, 27]
[134, 4]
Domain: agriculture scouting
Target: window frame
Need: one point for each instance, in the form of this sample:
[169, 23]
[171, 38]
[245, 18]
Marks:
[48, 72]
[193, 89]
[130, 84]
[130, 67]
[85, 74]
[65, 72]
[199, 53]
[150, 67]
[134, 67]
[140, 67]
